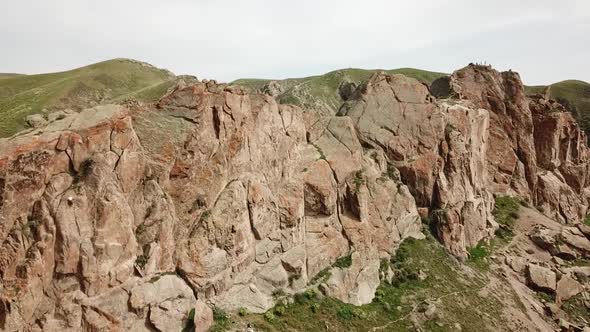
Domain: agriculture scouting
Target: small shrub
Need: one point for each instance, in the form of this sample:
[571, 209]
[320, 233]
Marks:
[384, 265]
[403, 252]
[270, 316]
[343, 262]
[587, 220]
[310, 294]
[279, 310]
[219, 315]
[221, 320]
[345, 313]
[506, 212]
[321, 276]
[315, 307]
[403, 275]
[549, 298]
[242, 311]
[478, 255]
[206, 214]
[379, 294]
[358, 179]
[478, 252]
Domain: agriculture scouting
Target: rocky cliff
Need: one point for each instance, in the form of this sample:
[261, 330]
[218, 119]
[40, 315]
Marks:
[128, 217]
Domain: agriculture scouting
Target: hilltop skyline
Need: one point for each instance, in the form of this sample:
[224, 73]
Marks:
[542, 40]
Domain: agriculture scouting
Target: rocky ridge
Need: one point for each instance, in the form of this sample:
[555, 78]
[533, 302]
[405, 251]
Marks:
[216, 196]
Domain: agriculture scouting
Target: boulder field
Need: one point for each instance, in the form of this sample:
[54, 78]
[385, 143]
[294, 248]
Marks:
[129, 217]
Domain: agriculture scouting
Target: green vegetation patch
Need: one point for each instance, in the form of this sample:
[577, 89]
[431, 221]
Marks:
[506, 212]
[221, 320]
[577, 309]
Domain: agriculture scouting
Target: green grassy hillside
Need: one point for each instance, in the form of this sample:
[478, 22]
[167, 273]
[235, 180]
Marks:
[574, 95]
[103, 82]
[320, 93]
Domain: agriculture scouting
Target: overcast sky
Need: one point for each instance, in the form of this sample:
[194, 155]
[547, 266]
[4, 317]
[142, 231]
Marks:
[545, 40]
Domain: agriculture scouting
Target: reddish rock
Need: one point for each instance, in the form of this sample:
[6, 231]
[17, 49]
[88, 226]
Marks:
[98, 208]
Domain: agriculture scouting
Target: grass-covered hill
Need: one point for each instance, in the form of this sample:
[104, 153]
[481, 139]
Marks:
[321, 93]
[574, 95]
[108, 81]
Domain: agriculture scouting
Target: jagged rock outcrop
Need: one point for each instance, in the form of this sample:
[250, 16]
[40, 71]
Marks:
[128, 217]
[536, 150]
[213, 195]
[562, 156]
[439, 149]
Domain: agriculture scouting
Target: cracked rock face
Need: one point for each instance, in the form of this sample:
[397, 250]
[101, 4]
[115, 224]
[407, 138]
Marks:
[209, 196]
[128, 218]
[536, 150]
[439, 149]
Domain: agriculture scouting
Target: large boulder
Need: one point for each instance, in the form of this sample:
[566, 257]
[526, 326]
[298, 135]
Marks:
[541, 278]
[567, 287]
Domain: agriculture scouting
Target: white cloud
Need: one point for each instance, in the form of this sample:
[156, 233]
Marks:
[545, 40]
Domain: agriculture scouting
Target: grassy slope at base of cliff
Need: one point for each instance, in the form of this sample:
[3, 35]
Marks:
[459, 295]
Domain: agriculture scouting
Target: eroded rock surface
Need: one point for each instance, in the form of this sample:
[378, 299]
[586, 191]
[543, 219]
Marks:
[536, 149]
[209, 196]
[439, 149]
[128, 218]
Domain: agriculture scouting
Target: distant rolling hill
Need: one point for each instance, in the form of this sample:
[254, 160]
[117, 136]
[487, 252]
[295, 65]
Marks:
[9, 75]
[573, 94]
[321, 93]
[108, 81]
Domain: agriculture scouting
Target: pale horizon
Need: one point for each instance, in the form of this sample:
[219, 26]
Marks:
[544, 41]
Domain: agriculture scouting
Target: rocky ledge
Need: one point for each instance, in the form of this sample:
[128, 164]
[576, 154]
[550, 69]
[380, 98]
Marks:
[129, 217]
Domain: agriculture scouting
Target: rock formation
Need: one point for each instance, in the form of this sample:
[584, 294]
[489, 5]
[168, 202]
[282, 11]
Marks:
[536, 149]
[130, 217]
[439, 149]
[211, 195]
